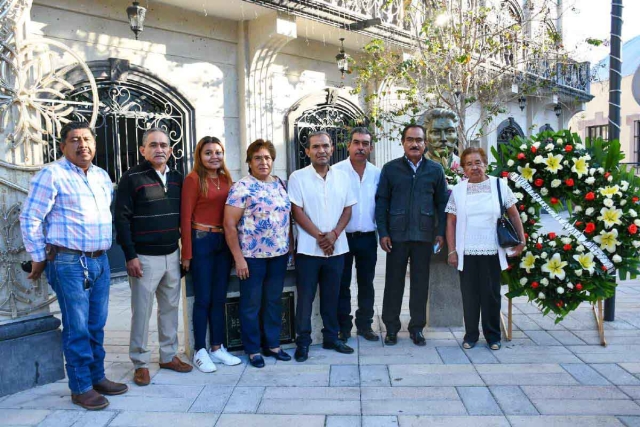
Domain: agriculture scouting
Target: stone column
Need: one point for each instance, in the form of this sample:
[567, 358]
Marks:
[444, 308]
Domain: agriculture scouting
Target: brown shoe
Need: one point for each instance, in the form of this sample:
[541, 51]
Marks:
[110, 388]
[141, 377]
[177, 365]
[90, 400]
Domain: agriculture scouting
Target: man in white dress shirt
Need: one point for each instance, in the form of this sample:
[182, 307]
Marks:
[321, 206]
[361, 235]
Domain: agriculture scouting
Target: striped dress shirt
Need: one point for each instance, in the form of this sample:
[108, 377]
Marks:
[67, 208]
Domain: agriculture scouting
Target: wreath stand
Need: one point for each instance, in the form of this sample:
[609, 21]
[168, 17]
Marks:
[598, 312]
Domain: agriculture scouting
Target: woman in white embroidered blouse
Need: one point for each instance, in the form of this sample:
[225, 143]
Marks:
[472, 214]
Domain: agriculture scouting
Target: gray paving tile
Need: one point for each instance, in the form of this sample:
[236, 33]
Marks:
[308, 406]
[564, 421]
[264, 420]
[630, 421]
[524, 323]
[452, 355]
[533, 354]
[410, 393]
[586, 407]
[512, 400]
[616, 374]
[213, 398]
[315, 393]
[585, 374]
[574, 392]
[462, 421]
[22, 417]
[287, 375]
[434, 375]
[399, 355]
[543, 337]
[224, 376]
[615, 353]
[162, 419]
[481, 354]
[633, 391]
[379, 421]
[633, 368]
[78, 418]
[344, 421]
[479, 401]
[525, 374]
[374, 376]
[244, 400]
[344, 376]
[149, 404]
[412, 407]
[566, 337]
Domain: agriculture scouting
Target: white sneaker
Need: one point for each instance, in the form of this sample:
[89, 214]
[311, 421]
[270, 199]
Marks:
[221, 355]
[203, 362]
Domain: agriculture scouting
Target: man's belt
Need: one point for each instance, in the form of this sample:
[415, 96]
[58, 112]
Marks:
[361, 233]
[52, 250]
[205, 227]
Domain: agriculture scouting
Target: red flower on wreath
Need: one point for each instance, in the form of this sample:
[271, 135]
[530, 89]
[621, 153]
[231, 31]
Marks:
[554, 201]
[633, 229]
[552, 235]
[590, 228]
[521, 207]
[569, 182]
[538, 182]
[567, 247]
[532, 221]
[504, 174]
[568, 148]
[590, 196]
[579, 223]
[559, 304]
[538, 245]
[579, 286]
[521, 156]
[603, 268]
[534, 285]
[635, 199]
[607, 175]
[526, 236]
[533, 149]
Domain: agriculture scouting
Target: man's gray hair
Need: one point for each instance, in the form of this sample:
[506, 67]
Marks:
[317, 133]
[361, 130]
[439, 112]
[149, 131]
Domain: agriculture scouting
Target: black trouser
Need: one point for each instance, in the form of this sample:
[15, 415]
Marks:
[312, 271]
[480, 286]
[363, 247]
[420, 255]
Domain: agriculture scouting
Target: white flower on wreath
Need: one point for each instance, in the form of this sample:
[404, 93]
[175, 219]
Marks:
[608, 203]
[531, 211]
[600, 170]
[566, 240]
[552, 244]
[555, 183]
[590, 180]
[608, 240]
[534, 235]
[637, 222]
[554, 163]
[528, 262]
[549, 147]
[589, 211]
[576, 191]
[523, 281]
[536, 144]
[559, 141]
[570, 285]
[523, 217]
[510, 163]
[541, 295]
[543, 255]
[560, 290]
[624, 185]
[586, 261]
[565, 162]
[518, 195]
[580, 248]
[523, 147]
[610, 216]
[579, 146]
[623, 202]
[538, 159]
[636, 244]
[544, 281]
[527, 172]
[592, 171]
[577, 209]
[610, 178]
[578, 273]
[580, 166]
[617, 259]
[555, 267]
[544, 191]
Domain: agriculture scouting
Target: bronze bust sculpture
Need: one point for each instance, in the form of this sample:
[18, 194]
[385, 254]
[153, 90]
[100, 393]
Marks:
[442, 136]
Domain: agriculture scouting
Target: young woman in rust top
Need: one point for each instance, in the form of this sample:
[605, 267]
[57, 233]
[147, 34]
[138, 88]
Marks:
[205, 252]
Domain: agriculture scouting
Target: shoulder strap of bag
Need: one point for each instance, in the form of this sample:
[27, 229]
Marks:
[281, 182]
[500, 197]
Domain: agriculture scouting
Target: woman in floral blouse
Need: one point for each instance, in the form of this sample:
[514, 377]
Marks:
[256, 225]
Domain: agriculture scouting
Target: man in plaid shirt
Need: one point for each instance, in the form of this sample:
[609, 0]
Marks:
[66, 228]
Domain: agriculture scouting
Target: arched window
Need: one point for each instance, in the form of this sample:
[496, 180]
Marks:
[507, 130]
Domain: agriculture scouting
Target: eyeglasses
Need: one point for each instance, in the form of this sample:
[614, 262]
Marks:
[261, 158]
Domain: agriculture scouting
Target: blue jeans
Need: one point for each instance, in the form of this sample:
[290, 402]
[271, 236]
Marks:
[84, 314]
[262, 291]
[312, 271]
[363, 247]
[210, 269]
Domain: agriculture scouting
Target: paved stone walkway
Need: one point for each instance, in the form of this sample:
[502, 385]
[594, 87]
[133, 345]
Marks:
[548, 375]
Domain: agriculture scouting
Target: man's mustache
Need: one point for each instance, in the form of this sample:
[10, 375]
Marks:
[360, 152]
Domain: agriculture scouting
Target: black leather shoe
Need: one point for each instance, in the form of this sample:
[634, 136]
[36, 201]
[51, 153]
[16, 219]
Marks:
[279, 355]
[418, 339]
[339, 346]
[391, 339]
[368, 335]
[257, 361]
[302, 354]
[344, 336]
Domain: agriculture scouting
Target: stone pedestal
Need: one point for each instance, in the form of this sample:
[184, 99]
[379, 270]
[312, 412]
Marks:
[31, 353]
[444, 308]
[233, 292]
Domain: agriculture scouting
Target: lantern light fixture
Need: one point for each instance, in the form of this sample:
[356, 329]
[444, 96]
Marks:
[522, 102]
[557, 109]
[342, 59]
[136, 14]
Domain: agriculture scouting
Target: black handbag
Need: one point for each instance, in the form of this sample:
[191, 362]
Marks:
[507, 236]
